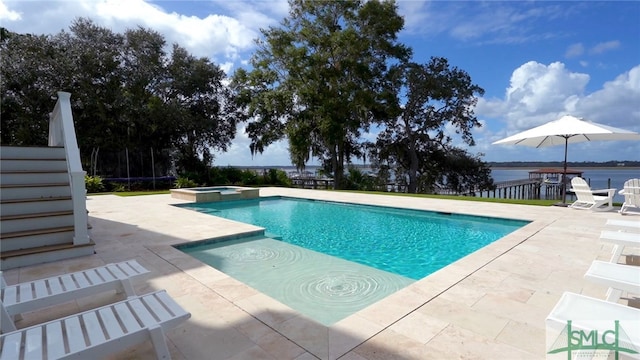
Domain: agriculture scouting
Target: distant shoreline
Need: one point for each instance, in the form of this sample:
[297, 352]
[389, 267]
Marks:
[568, 167]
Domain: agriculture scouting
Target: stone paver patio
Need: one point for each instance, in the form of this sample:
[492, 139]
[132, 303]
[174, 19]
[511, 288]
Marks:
[491, 304]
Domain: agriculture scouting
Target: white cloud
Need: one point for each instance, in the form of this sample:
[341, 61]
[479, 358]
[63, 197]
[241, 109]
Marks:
[221, 37]
[488, 23]
[6, 14]
[604, 47]
[616, 103]
[538, 89]
[539, 93]
[574, 50]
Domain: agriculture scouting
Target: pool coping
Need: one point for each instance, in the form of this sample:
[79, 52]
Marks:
[329, 342]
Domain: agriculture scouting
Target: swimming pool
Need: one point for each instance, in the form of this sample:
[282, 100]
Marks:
[410, 243]
[328, 260]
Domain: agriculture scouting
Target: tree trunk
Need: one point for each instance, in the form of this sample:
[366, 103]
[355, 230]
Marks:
[412, 188]
[337, 165]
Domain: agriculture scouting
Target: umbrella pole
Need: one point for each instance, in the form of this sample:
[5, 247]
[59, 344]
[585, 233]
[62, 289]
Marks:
[564, 172]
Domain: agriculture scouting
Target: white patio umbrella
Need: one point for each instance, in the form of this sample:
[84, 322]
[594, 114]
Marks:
[568, 129]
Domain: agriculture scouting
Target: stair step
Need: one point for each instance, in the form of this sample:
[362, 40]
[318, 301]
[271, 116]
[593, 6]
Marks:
[36, 215]
[12, 186]
[39, 249]
[13, 224]
[32, 152]
[36, 238]
[30, 206]
[33, 177]
[42, 254]
[32, 191]
[30, 164]
[18, 201]
[34, 232]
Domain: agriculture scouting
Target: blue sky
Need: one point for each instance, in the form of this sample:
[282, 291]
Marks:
[536, 60]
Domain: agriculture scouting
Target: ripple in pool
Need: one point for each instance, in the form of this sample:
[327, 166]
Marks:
[272, 256]
[342, 290]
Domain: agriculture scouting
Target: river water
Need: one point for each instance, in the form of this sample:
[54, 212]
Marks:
[598, 178]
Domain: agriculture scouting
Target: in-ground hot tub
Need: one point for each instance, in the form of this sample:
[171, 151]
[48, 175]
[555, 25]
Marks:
[215, 193]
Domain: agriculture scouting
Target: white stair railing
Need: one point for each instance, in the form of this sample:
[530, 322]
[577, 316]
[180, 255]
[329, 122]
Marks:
[62, 133]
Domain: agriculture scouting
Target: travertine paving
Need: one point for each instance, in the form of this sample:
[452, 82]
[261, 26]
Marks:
[491, 304]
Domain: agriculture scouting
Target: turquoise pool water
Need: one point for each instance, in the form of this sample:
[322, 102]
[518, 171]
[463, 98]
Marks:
[322, 287]
[222, 189]
[409, 243]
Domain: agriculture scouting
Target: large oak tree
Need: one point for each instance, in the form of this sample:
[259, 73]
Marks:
[321, 78]
[438, 99]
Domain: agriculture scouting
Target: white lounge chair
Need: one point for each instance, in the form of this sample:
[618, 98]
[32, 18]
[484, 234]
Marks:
[631, 192]
[624, 223]
[588, 314]
[617, 277]
[34, 295]
[586, 198]
[620, 239]
[98, 333]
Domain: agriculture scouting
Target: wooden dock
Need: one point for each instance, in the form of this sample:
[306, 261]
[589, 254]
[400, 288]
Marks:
[312, 183]
[525, 189]
[515, 189]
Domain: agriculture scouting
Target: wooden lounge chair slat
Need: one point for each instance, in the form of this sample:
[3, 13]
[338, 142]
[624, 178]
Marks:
[74, 334]
[25, 292]
[55, 340]
[157, 308]
[168, 302]
[137, 268]
[93, 328]
[68, 283]
[55, 286]
[81, 279]
[142, 313]
[624, 223]
[127, 318]
[33, 344]
[41, 288]
[117, 272]
[110, 323]
[11, 346]
[105, 274]
[93, 277]
[10, 295]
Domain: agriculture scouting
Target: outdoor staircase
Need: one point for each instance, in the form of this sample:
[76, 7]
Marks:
[36, 208]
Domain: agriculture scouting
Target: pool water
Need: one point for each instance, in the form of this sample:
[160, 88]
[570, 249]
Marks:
[222, 189]
[409, 243]
[322, 287]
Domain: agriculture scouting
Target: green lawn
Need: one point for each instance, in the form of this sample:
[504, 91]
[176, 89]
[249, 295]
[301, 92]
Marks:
[451, 197]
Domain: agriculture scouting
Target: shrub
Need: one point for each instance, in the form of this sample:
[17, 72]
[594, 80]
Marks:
[277, 177]
[232, 175]
[117, 187]
[93, 184]
[185, 182]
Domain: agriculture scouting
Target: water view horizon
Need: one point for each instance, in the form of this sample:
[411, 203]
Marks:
[597, 177]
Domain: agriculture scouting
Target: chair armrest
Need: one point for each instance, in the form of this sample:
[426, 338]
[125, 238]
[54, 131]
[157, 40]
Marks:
[610, 192]
[621, 192]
